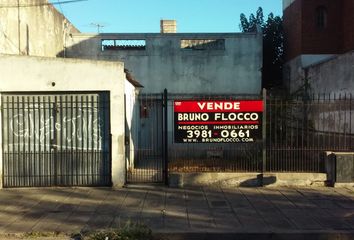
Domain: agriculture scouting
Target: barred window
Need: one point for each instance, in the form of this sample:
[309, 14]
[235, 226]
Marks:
[123, 44]
[203, 44]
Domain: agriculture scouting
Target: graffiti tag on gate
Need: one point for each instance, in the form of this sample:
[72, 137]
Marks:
[84, 126]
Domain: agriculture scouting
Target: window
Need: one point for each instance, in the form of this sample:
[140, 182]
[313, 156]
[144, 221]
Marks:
[123, 44]
[321, 17]
[203, 44]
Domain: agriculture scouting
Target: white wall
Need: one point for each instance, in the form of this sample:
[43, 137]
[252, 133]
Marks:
[329, 76]
[36, 31]
[333, 76]
[131, 127]
[294, 75]
[25, 74]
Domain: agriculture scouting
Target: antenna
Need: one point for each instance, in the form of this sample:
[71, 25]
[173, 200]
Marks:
[98, 26]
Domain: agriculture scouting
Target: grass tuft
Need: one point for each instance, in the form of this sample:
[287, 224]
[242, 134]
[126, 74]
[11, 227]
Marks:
[130, 231]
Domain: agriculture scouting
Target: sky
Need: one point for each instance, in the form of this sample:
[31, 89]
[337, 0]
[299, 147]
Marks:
[143, 16]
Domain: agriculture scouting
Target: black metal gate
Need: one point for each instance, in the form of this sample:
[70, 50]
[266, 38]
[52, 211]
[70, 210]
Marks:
[56, 140]
[146, 148]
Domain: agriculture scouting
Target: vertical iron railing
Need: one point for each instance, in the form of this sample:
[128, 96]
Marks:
[165, 137]
[264, 131]
[297, 132]
[300, 130]
[145, 154]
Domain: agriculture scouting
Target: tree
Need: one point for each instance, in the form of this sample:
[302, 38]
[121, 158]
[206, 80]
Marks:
[250, 25]
[273, 49]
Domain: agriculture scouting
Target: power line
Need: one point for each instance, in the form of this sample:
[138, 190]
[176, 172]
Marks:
[38, 4]
[61, 9]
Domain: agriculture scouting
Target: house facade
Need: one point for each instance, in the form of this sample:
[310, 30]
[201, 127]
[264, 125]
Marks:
[180, 62]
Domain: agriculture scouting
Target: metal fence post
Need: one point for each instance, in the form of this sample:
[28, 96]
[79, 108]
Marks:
[165, 105]
[264, 132]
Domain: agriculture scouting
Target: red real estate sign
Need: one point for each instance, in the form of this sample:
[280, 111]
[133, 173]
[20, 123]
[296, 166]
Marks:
[227, 121]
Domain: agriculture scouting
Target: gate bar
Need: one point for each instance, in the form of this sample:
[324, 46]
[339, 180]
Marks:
[264, 131]
[165, 106]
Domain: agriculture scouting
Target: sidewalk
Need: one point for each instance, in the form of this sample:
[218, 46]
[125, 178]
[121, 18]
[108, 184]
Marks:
[204, 213]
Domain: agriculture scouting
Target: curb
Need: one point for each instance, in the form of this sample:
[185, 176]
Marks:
[255, 236]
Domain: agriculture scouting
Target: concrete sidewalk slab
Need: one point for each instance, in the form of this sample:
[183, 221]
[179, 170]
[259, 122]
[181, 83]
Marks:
[294, 213]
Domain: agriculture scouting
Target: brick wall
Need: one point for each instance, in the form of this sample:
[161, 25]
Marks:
[348, 25]
[303, 36]
[292, 30]
[317, 40]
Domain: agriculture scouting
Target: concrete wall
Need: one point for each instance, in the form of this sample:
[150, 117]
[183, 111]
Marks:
[294, 75]
[333, 76]
[164, 64]
[25, 74]
[34, 30]
[131, 124]
[227, 179]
